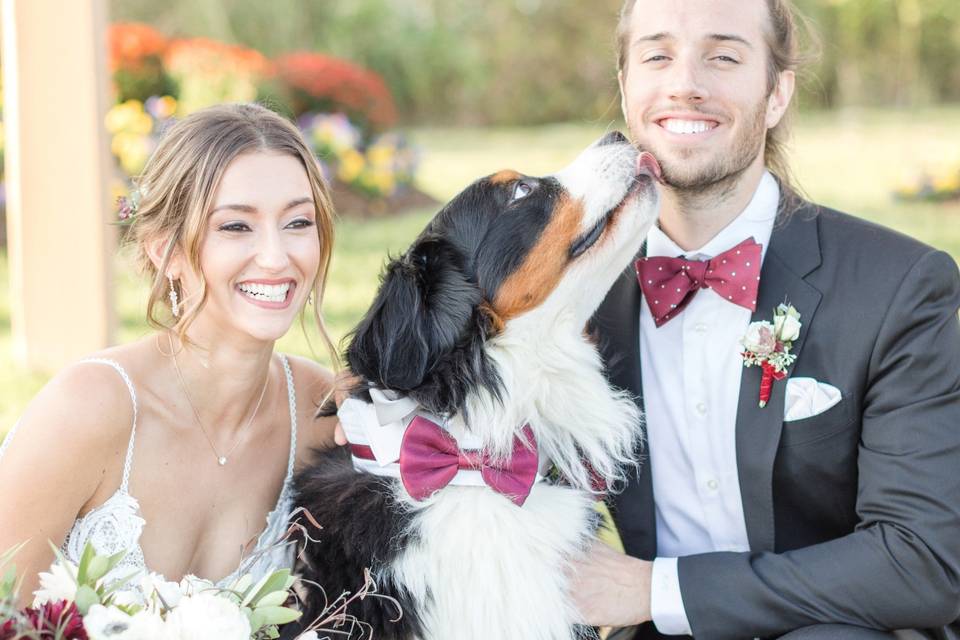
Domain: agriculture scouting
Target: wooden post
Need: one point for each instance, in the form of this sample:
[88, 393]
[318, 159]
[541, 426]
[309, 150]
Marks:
[57, 161]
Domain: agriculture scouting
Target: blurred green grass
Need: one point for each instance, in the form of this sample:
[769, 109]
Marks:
[850, 160]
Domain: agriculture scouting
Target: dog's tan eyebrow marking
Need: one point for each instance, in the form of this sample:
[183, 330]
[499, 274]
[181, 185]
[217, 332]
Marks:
[544, 265]
[507, 175]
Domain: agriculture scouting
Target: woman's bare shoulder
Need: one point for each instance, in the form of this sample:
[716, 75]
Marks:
[85, 404]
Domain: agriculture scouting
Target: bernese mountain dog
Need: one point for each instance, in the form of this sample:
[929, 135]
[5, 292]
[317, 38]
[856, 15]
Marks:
[483, 421]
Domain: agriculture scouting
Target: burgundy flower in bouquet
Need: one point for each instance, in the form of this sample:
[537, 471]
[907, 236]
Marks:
[55, 620]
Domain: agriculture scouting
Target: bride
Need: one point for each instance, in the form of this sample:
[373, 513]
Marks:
[179, 448]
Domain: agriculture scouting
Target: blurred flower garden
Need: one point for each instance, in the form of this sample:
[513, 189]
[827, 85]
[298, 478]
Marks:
[345, 111]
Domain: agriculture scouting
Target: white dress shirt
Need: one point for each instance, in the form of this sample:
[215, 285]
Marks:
[691, 370]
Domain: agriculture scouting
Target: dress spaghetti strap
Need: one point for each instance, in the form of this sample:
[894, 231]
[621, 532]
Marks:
[133, 397]
[128, 461]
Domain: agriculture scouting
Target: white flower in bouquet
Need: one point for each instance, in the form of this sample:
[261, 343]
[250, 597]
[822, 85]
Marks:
[191, 585]
[204, 616]
[110, 623]
[159, 592]
[59, 584]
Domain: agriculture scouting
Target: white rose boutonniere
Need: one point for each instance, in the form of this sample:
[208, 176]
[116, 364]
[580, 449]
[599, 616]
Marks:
[767, 345]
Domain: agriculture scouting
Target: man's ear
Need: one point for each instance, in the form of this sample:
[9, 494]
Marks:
[780, 97]
[424, 306]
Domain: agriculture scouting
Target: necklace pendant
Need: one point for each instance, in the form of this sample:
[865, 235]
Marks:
[222, 460]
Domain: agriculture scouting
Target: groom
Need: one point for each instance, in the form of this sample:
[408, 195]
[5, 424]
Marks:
[833, 511]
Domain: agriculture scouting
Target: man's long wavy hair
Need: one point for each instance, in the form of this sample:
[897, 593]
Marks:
[783, 43]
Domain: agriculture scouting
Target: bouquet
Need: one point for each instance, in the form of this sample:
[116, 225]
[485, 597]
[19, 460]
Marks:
[77, 602]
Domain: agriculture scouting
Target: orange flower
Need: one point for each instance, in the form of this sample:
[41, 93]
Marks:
[130, 43]
[320, 82]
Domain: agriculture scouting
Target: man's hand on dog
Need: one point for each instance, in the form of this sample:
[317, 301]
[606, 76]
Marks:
[611, 589]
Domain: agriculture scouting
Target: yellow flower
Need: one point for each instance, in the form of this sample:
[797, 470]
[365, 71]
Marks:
[947, 181]
[351, 165]
[380, 155]
[129, 116]
[166, 106]
[384, 182]
[131, 150]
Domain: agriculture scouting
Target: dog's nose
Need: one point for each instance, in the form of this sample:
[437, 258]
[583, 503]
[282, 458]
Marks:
[614, 137]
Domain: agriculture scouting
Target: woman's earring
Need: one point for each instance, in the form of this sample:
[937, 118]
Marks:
[310, 298]
[174, 300]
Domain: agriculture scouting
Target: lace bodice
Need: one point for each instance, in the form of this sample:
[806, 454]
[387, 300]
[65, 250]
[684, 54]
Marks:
[116, 525]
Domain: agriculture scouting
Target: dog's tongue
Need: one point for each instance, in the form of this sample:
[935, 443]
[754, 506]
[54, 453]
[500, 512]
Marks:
[647, 164]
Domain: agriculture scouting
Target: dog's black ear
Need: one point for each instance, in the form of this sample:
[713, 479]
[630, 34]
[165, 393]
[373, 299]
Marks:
[425, 304]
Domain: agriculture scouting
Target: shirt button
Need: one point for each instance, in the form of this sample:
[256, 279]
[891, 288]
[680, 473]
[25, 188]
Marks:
[712, 484]
[701, 409]
[700, 327]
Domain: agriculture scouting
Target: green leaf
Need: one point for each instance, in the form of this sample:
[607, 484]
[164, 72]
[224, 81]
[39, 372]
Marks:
[88, 554]
[98, 568]
[256, 620]
[115, 559]
[254, 591]
[274, 582]
[276, 615]
[86, 598]
[62, 559]
[272, 599]
[8, 555]
[118, 584]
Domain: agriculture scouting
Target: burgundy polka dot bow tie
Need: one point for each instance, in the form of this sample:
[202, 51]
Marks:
[669, 284]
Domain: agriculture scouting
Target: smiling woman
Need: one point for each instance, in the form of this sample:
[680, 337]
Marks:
[233, 225]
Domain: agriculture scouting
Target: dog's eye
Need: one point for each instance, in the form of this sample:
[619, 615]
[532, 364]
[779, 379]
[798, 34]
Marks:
[522, 190]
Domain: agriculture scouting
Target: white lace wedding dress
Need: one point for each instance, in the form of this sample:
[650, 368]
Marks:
[116, 525]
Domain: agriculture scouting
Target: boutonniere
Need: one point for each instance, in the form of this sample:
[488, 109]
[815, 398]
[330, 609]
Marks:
[767, 345]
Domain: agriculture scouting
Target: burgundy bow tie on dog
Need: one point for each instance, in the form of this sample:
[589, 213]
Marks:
[430, 458]
[669, 284]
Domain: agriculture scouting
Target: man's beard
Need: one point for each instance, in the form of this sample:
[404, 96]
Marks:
[723, 172]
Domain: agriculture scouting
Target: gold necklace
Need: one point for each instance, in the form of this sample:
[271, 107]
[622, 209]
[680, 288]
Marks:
[221, 459]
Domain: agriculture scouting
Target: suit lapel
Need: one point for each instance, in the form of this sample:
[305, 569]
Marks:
[793, 253]
[619, 322]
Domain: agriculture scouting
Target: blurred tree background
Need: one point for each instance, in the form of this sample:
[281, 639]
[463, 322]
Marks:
[520, 62]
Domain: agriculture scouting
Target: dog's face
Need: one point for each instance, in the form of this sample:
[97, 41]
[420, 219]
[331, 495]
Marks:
[508, 247]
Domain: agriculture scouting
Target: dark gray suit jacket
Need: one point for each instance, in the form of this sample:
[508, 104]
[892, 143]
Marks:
[853, 515]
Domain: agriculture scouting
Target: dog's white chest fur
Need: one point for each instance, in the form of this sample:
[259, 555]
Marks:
[484, 568]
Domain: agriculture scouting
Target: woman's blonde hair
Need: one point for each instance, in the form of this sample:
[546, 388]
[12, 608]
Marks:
[177, 190]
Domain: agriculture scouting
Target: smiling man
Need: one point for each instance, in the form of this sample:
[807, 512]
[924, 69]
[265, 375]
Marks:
[829, 508]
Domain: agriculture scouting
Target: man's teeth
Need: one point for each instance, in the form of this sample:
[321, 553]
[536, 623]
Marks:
[266, 292]
[674, 125]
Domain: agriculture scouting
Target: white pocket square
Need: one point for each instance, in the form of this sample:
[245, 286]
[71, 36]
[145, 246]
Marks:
[806, 397]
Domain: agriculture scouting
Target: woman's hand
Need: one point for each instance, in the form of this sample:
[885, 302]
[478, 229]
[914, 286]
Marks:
[344, 381]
